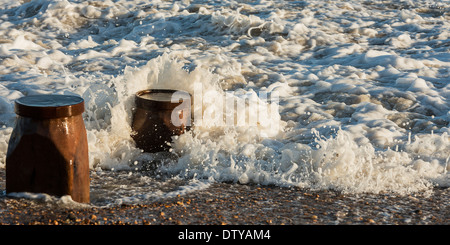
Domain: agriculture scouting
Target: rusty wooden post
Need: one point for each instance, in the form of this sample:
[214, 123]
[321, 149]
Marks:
[48, 148]
[159, 115]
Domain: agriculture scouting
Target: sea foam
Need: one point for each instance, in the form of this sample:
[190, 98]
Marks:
[330, 97]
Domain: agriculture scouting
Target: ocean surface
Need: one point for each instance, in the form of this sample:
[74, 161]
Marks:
[352, 96]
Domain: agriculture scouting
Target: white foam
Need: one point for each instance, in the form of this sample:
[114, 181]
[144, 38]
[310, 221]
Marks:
[191, 186]
[63, 201]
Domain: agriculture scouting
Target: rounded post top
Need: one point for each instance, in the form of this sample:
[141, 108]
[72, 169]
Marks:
[49, 106]
[161, 98]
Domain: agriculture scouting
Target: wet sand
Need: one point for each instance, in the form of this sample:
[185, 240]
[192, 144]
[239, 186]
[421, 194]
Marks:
[235, 204]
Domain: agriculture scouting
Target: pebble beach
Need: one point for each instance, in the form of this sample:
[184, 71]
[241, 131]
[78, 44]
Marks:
[235, 204]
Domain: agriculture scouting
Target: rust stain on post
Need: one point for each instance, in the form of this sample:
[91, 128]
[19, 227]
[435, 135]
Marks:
[159, 115]
[48, 148]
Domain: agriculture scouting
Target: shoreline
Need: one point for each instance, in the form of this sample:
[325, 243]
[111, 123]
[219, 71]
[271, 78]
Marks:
[235, 204]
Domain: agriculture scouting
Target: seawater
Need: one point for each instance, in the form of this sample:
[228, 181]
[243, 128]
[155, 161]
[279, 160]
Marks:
[362, 88]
